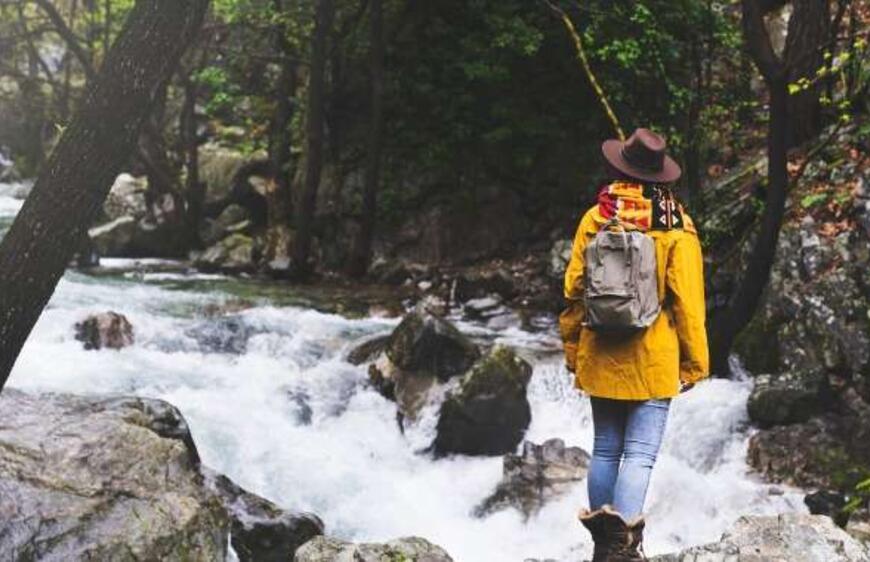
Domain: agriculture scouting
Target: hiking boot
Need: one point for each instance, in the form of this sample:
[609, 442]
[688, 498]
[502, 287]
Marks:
[615, 539]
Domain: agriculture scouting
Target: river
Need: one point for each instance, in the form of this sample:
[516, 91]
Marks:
[289, 419]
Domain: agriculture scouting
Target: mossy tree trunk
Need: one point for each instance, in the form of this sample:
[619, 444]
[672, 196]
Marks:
[92, 151]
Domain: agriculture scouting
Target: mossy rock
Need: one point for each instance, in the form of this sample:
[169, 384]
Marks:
[489, 413]
[784, 399]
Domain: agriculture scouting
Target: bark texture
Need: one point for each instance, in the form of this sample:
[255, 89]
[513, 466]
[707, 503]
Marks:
[730, 322]
[362, 251]
[69, 191]
[808, 30]
[314, 137]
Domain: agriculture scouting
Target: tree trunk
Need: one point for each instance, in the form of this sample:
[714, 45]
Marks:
[278, 198]
[102, 135]
[166, 204]
[808, 30]
[314, 138]
[731, 321]
[362, 251]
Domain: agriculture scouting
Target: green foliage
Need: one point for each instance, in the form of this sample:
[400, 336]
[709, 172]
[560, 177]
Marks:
[814, 199]
[859, 498]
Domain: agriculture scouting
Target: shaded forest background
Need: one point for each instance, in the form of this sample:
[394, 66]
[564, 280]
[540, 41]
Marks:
[354, 137]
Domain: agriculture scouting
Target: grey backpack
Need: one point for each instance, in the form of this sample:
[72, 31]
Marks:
[621, 291]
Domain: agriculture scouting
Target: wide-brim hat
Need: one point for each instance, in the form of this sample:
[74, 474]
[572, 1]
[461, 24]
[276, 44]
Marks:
[643, 157]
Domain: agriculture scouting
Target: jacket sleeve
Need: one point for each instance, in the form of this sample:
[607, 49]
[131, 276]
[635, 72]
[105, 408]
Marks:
[571, 319]
[685, 282]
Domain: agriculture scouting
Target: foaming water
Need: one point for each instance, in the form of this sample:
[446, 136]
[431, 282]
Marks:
[289, 419]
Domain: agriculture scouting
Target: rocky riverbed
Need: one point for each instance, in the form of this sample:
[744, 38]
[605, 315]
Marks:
[261, 376]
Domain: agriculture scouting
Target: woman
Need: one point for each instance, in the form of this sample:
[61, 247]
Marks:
[631, 378]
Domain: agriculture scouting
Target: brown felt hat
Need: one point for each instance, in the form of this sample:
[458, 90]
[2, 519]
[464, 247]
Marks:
[642, 157]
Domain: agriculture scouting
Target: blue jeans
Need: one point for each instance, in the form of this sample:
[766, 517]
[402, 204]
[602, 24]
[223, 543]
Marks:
[629, 431]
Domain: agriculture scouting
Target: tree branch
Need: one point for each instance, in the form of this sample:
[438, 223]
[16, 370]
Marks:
[69, 37]
[584, 61]
[758, 41]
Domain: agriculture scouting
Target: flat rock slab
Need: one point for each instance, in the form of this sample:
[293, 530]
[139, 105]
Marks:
[409, 549]
[791, 537]
[102, 479]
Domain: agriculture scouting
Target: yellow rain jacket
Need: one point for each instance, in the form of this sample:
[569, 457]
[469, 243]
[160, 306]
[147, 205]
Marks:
[653, 362]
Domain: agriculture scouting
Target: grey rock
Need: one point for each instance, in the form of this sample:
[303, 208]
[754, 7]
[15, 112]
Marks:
[409, 549]
[489, 412]
[560, 255]
[368, 349]
[789, 537]
[235, 253]
[218, 166]
[261, 531]
[426, 343]
[784, 399]
[102, 479]
[126, 198]
[226, 334]
[535, 476]
[106, 330]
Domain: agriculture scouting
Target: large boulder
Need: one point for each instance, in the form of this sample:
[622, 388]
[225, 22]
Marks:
[130, 229]
[410, 549]
[789, 537]
[813, 323]
[535, 476]
[218, 166]
[784, 399]
[126, 198]
[423, 352]
[102, 479]
[489, 412]
[425, 343]
[826, 452]
[106, 330]
[261, 531]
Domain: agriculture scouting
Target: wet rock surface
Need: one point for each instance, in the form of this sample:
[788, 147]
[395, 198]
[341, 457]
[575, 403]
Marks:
[102, 479]
[420, 354]
[481, 400]
[424, 343]
[536, 475]
[778, 538]
[223, 334]
[812, 333]
[410, 549]
[368, 350]
[489, 412]
[108, 330]
[829, 451]
[261, 531]
[784, 399]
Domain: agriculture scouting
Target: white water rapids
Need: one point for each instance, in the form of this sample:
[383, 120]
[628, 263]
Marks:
[290, 420]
